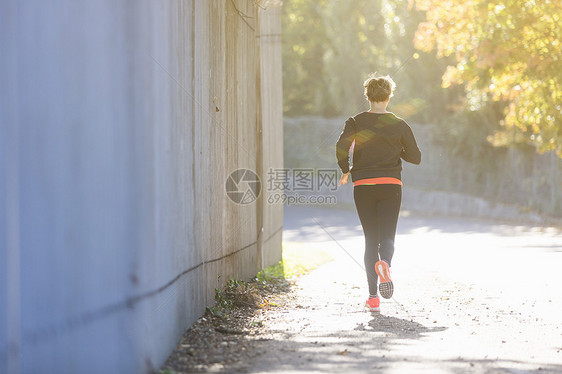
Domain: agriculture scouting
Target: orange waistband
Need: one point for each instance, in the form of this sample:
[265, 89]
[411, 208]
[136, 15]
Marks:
[379, 180]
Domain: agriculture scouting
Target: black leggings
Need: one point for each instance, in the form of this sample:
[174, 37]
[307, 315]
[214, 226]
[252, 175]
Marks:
[378, 207]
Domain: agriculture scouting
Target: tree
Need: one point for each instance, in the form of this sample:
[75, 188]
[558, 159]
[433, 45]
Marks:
[506, 51]
[330, 46]
[304, 39]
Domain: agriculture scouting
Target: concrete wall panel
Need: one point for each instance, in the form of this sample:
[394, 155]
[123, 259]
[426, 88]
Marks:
[119, 126]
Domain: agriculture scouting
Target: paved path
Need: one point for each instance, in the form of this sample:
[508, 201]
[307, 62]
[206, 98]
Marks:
[470, 297]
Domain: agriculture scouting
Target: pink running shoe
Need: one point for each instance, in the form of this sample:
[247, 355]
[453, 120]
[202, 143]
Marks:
[374, 304]
[386, 288]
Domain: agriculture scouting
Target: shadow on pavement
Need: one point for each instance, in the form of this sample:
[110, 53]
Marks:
[351, 354]
[400, 328]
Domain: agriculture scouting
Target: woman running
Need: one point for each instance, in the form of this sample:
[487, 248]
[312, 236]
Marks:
[380, 140]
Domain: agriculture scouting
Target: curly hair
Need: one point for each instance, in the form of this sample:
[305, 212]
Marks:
[379, 88]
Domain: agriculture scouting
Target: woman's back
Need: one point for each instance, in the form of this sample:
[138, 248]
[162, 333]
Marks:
[381, 140]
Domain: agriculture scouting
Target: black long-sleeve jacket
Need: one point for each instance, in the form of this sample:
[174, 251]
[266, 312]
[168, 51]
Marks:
[381, 141]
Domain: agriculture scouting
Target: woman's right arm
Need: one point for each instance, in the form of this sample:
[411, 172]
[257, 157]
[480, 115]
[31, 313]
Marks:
[344, 143]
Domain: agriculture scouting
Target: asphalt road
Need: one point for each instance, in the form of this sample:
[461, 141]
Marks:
[470, 297]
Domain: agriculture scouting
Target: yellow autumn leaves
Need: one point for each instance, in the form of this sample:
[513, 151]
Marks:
[507, 50]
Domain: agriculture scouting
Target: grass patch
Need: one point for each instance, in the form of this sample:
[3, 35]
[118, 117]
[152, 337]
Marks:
[298, 259]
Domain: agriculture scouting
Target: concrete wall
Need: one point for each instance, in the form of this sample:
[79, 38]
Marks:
[119, 125]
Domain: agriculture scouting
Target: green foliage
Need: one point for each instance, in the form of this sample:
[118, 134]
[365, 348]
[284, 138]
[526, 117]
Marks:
[304, 39]
[330, 46]
[271, 273]
[301, 258]
[298, 259]
[225, 297]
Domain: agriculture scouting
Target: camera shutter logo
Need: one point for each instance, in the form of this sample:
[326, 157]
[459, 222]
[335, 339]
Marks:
[243, 186]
